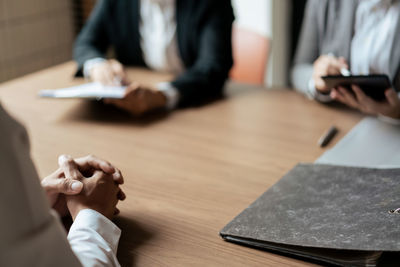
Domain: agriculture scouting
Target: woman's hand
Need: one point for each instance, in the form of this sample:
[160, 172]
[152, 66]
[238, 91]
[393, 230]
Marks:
[327, 65]
[109, 72]
[390, 107]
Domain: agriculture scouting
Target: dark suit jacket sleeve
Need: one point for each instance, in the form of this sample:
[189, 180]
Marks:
[93, 40]
[206, 77]
[308, 47]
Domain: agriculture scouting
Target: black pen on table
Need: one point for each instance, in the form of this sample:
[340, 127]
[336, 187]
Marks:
[328, 136]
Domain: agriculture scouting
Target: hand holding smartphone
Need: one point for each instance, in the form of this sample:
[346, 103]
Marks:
[373, 86]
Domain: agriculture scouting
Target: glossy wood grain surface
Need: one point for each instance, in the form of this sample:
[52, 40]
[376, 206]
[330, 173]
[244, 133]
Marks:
[187, 173]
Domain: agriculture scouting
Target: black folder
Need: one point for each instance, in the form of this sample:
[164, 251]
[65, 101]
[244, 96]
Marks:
[334, 214]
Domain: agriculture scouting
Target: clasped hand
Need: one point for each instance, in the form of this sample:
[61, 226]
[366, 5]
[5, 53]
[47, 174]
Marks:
[84, 183]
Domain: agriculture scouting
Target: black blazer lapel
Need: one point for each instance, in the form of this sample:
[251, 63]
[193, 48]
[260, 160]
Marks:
[185, 29]
[129, 51]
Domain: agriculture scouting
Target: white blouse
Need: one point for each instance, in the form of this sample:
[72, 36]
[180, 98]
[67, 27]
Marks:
[376, 43]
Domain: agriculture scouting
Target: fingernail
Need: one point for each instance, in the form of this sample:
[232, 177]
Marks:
[76, 186]
[62, 159]
[112, 169]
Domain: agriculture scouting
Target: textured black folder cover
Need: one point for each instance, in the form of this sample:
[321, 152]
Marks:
[324, 206]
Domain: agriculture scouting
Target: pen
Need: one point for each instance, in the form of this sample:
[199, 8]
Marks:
[343, 71]
[327, 137]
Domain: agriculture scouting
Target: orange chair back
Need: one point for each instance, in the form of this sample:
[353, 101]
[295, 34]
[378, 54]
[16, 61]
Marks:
[250, 55]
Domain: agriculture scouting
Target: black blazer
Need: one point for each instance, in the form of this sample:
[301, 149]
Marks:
[204, 29]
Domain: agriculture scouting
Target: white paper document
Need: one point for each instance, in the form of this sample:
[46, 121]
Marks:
[87, 90]
[371, 143]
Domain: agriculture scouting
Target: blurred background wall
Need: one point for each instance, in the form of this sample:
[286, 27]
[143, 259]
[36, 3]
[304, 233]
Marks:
[35, 34]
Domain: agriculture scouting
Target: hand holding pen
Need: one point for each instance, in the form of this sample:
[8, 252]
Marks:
[109, 72]
[328, 65]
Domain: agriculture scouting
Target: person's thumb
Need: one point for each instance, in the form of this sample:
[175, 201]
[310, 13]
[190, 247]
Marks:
[392, 98]
[69, 186]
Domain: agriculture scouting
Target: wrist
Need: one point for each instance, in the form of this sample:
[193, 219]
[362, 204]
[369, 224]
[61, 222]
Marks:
[392, 115]
[171, 94]
[320, 87]
[390, 120]
[75, 209]
[313, 93]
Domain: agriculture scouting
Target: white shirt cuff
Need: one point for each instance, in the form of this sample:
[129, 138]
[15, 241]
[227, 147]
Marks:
[92, 220]
[90, 64]
[313, 93]
[389, 120]
[171, 93]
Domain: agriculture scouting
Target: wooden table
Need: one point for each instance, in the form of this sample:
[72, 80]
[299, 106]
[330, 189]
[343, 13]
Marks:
[188, 173]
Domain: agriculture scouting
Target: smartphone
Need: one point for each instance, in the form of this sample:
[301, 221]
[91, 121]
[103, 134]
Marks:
[373, 86]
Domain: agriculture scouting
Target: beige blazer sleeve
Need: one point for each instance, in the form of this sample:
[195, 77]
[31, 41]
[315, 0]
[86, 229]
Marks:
[31, 235]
